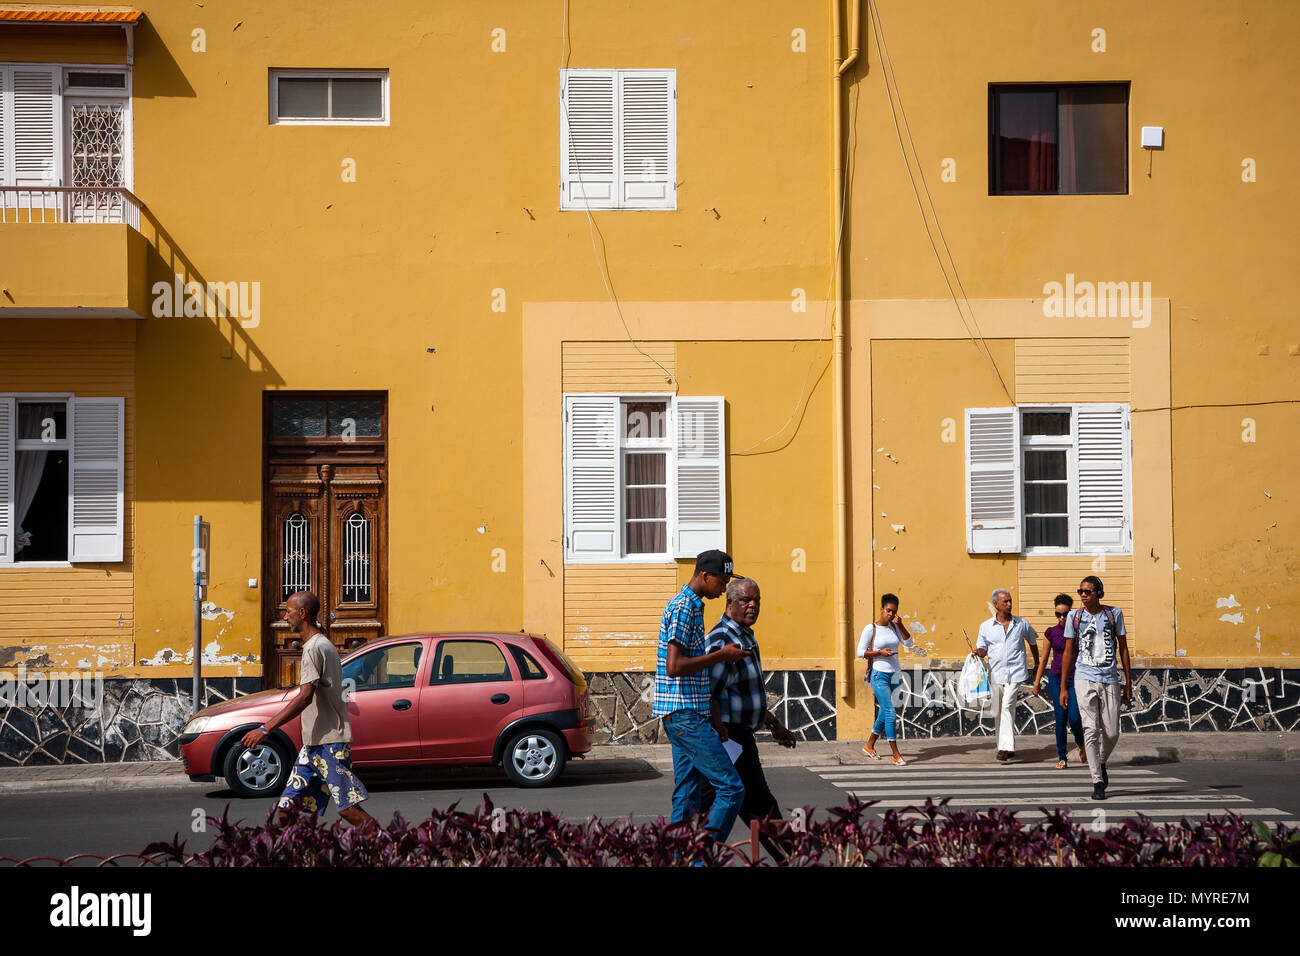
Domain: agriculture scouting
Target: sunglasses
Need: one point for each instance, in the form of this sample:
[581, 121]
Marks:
[1062, 613]
[1082, 593]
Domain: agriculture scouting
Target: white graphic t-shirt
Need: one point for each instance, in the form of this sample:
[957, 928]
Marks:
[1098, 638]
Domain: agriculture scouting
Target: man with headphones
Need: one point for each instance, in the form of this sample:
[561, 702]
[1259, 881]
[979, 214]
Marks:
[1095, 641]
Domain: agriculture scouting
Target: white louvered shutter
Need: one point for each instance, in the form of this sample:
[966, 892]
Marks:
[95, 479]
[647, 140]
[588, 139]
[35, 126]
[591, 477]
[6, 137]
[1103, 454]
[8, 432]
[993, 511]
[700, 454]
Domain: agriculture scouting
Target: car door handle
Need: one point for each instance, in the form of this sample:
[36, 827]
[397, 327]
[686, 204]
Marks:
[401, 705]
[500, 698]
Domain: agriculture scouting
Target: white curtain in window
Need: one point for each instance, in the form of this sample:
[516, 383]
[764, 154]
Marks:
[29, 466]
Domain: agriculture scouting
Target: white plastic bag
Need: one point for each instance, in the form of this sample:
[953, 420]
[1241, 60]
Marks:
[973, 685]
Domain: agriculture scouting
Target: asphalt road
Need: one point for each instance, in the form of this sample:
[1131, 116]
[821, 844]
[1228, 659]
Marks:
[61, 823]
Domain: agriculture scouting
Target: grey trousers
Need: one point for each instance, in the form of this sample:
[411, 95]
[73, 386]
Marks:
[1099, 712]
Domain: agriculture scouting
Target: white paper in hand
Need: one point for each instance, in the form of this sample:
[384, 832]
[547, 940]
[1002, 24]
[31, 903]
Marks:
[733, 749]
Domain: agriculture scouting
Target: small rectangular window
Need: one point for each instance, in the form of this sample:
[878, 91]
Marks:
[325, 98]
[81, 79]
[1064, 139]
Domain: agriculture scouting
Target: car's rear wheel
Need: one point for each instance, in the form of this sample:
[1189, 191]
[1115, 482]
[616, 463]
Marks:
[259, 771]
[534, 757]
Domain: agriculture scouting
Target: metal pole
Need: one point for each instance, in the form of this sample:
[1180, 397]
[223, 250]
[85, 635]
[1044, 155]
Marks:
[197, 564]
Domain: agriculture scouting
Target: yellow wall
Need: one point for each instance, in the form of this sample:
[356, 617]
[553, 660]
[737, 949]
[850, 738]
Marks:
[360, 279]
[457, 198]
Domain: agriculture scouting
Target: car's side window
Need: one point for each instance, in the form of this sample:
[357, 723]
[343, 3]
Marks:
[529, 669]
[462, 662]
[385, 667]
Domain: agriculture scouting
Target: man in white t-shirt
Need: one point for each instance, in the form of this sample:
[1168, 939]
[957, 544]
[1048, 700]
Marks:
[1095, 641]
[1001, 642]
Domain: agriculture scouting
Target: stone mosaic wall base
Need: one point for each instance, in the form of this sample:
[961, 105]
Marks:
[802, 700]
[142, 719]
[1164, 699]
[127, 719]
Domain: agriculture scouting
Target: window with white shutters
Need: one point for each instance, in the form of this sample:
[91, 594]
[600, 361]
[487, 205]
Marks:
[644, 477]
[56, 133]
[618, 139]
[61, 479]
[1048, 480]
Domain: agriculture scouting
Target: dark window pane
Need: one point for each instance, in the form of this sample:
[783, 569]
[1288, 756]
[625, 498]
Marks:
[42, 421]
[645, 469]
[364, 414]
[1045, 423]
[1046, 499]
[1094, 139]
[1045, 465]
[102, 81]
[1025, 140]
[529, 669]
[298, 418]
[646, 503]
[1047, 532]
[645, 419]
[358, 99]
[649, 537]
[41, 484]
[303, 97]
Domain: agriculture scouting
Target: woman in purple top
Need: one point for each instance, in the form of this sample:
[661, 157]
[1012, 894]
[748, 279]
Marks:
[1055, 637]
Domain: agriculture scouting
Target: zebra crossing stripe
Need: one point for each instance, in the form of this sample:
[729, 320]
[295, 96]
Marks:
[988, 800]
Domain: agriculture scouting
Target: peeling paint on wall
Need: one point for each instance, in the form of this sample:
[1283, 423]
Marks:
[211, 612]
[1237, 618]
[1229, 601]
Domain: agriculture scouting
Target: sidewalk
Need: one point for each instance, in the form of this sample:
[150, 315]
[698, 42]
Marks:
[614, 758]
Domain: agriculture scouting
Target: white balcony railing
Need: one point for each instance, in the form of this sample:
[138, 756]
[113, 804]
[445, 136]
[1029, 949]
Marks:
[37, 204]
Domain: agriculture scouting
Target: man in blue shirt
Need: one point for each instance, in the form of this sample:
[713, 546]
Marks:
[682, 698]
[740, 702]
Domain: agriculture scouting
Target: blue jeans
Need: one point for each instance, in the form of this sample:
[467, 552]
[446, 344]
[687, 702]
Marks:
[1063, 716]
[882, 685]
[698, 755]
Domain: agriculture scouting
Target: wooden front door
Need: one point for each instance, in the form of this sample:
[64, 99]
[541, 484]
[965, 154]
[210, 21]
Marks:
[325, 502]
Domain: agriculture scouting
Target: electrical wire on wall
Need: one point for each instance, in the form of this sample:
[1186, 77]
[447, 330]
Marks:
[830, 308]
[565, 50]
[892, 92]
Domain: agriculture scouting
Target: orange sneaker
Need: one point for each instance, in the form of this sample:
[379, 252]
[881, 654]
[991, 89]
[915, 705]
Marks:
[900, 762]
[869, 752]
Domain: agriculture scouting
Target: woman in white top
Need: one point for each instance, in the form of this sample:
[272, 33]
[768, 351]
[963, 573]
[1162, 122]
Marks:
[879, 645]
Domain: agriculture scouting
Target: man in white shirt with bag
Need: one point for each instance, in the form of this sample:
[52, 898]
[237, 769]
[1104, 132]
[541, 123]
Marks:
[1001, 642]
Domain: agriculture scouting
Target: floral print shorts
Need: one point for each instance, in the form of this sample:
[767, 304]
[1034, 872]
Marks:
[323, 772]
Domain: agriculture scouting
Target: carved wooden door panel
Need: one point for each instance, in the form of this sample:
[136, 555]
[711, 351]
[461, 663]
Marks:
[326, 520]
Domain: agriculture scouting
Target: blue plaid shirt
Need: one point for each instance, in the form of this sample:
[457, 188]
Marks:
[683, 623]
[737, 686]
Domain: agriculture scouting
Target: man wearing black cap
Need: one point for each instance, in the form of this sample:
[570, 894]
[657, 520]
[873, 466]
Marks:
[682, 696]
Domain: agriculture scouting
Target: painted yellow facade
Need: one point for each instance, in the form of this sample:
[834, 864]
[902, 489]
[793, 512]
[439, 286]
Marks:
[447, 276]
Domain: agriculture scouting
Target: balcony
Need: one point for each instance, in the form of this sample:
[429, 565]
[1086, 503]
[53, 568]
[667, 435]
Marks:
[71, 252]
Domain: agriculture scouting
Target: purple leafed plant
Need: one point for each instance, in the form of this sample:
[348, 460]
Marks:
[929, 835]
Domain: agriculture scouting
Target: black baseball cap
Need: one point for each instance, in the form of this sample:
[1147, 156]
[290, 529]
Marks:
[715, 562]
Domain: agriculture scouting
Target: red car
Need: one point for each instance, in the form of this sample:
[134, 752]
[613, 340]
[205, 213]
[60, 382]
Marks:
[424, 699]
